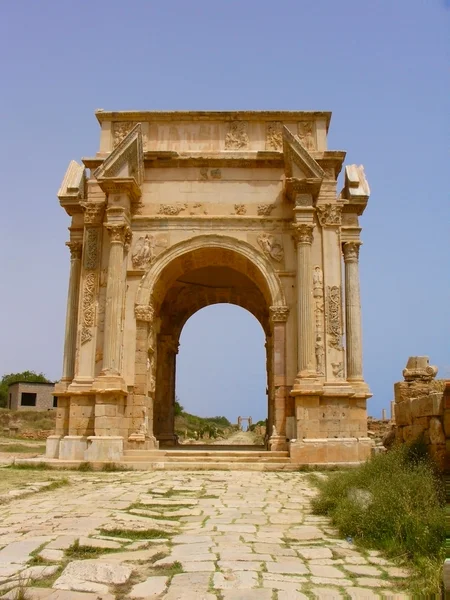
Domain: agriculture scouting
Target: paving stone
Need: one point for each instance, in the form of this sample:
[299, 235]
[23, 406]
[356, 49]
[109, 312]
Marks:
[7, 570]
[55, 555]
[191, 549]
[311, 553]
[62, 542]
[363, 570]
[358, 593]
[19, 552]
[181, 594]
[291, 595]
[39, 572]
[369, 582]
[198, 566]
[397, 572]
[191, 581]
[355, 560]
[284, 566]
[239, 528]
[325, 571]
[244, 565]
[331, 581]
[328, 593]
[235, 580]
[249, 556]
[305, 532]
[287, 586]
[276, 549]
[94, 571]
[191, 539]
[260, 594]
[150, 587]
[377, 560]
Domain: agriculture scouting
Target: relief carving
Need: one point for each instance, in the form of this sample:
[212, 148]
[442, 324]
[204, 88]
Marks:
[118, 234]
[240, 209]
[237, 136]
[329, 214]
[88, 307]
[334, 323]
[303, 233]
[338, 369]
[172, 209]
[317, 282]
[120, 131]
[306, 134]
[320, 354]
[91, 249]
[75, 250]
[274, 136]
[93, 212]
[144, 312]
[279, 314]
[145, 250]
[206, 174]
[271, 247]
[264, 210]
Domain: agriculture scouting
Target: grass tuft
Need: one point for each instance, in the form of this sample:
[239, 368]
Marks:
[78, 552]
[394, 503]
[131, 534]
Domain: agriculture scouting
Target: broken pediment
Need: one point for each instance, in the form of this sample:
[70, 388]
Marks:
[72, 188]
[356, 188]
[126, 161]
[297, 160]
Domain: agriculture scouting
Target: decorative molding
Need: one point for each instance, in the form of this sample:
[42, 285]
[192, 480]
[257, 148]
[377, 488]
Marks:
[329, 214]
[172, 209]
[91, 248]
[144, 312]
[279, 314]
[264, 210]
[120, 131]
[274, 136]
[271, 246]
[75, 250]
[237, 136]
[240, 209]
[334, 319]
[351, 251]
[93, 212]
[88, 307]
[307, 134]
[303, 233]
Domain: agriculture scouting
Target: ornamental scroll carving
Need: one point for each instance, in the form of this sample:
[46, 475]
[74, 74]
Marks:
[279, 314]
[306, 134]
[240, 209]
[144, 312]
[75, 250]
[329, 214]
[319, 313]
[264, 210]
[91, 248]
[88, 307]
[303, 233]
[119, 234]
[171, 209]
[274, 136]
[120, 131]
[334, 321]
[237, 136]
[271, 246]
[93, 212]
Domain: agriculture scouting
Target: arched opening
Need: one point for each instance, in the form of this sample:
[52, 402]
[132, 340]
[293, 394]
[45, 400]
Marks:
[221, 372]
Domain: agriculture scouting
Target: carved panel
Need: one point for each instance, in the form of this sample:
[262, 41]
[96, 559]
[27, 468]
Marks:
[303, 233]
[88, 307]
[91, 248]
[306, 133]
[338, 369]
[120, 131]
[329, 214]
[271, 246]
[237, 136]
[320, 355]
[240, 209]
[274, 136]
[145, 250]
[264, 210]
[172, 209]
[334, 319]
[279, 314]
[144, 312]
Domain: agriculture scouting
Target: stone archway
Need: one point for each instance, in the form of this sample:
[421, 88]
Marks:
[196, 273]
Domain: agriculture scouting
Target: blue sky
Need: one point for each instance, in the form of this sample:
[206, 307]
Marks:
[379, 66]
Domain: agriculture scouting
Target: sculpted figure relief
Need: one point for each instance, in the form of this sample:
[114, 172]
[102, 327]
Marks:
[274, 136]
[334, 325]
[120, 131]
[237, 136]
[143, 252]
[271, 246]
[320, 353]
[306, 134]
[317, 281]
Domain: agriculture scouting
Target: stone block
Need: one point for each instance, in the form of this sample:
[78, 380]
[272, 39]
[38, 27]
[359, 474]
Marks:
[72, 447]
[52, 446]
[105, 448]
[403, 413]
[447, 423]
[427, 406]
[436, 431]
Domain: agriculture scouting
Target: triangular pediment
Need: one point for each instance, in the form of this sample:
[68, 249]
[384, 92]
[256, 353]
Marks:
[126, 161]
[298, 162]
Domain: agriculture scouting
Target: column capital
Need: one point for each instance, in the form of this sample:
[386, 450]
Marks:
[119, 233]
[329, 215]
[93, 212]
[351, 251]
[279, 314]
[303, 233]
[75, 250]
[144, 312]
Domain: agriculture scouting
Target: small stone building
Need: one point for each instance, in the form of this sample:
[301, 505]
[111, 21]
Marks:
[26, 395]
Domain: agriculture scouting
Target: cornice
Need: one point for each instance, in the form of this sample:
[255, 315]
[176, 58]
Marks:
[122, 185]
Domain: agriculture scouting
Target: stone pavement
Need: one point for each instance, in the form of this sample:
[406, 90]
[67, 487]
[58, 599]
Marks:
[219, 536]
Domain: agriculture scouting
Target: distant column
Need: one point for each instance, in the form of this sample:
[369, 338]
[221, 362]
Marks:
[353, 312]
[279, 316]
[70, 339]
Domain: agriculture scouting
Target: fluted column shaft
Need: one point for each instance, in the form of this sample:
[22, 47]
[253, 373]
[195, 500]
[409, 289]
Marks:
[353, 312]
[70, 339]
[114, 297]
[305, 301]
[279, 316]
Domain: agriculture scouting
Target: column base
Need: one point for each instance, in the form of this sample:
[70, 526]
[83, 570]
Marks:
[72, 447]
[360, 388]
[338, 389]
[61, 387]
[330, 450]
[277, 443]
[52, 446]
[81, 385]
[309, 386]
[109, 383]
[104, 449]
[139, 441]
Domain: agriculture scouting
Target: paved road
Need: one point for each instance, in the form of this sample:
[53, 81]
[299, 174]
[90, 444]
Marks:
[240, 438]
[229, 536]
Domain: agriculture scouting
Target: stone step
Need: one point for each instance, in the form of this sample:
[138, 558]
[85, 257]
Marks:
[206, 459]
[209, 466]
[204, 453]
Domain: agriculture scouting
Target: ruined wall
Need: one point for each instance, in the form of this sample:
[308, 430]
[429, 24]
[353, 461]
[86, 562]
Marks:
[422, 408]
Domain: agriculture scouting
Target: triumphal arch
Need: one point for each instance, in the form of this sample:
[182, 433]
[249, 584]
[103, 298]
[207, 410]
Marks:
[180, 210]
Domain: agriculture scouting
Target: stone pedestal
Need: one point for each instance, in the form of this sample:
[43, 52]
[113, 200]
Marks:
[52, 446]
[104, 449]
[330, 450]
[73, 447]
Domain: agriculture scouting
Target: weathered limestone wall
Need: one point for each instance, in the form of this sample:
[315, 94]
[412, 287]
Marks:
[422, 408]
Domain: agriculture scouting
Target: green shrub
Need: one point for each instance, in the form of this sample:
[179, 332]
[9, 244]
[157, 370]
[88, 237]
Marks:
[394, 502]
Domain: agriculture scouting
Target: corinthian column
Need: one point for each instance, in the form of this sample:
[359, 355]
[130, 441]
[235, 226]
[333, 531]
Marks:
[279, 316]
[305, 306]
[72, 311]
[353, 312]
[114, 297]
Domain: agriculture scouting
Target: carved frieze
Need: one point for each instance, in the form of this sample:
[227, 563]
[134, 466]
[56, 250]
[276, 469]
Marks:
[306, 133]
[329, 214]
[88, 307]
[271, 246]
[120, 131]
[93, 212]
[274, 136]
[172, 209]
[240, 209]
[144, 312]
[264, 210]
[207, 174]
[75, 250]
[91, 248]
[237, 136]
[333, 316]
[351, 251]
[303, 233]
[279, 314]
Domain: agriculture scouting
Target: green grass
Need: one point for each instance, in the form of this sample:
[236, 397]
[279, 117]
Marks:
[393, 503]
[170, 570]
[37, 466]
[144, 534]
[21, 448]
[78, 552]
